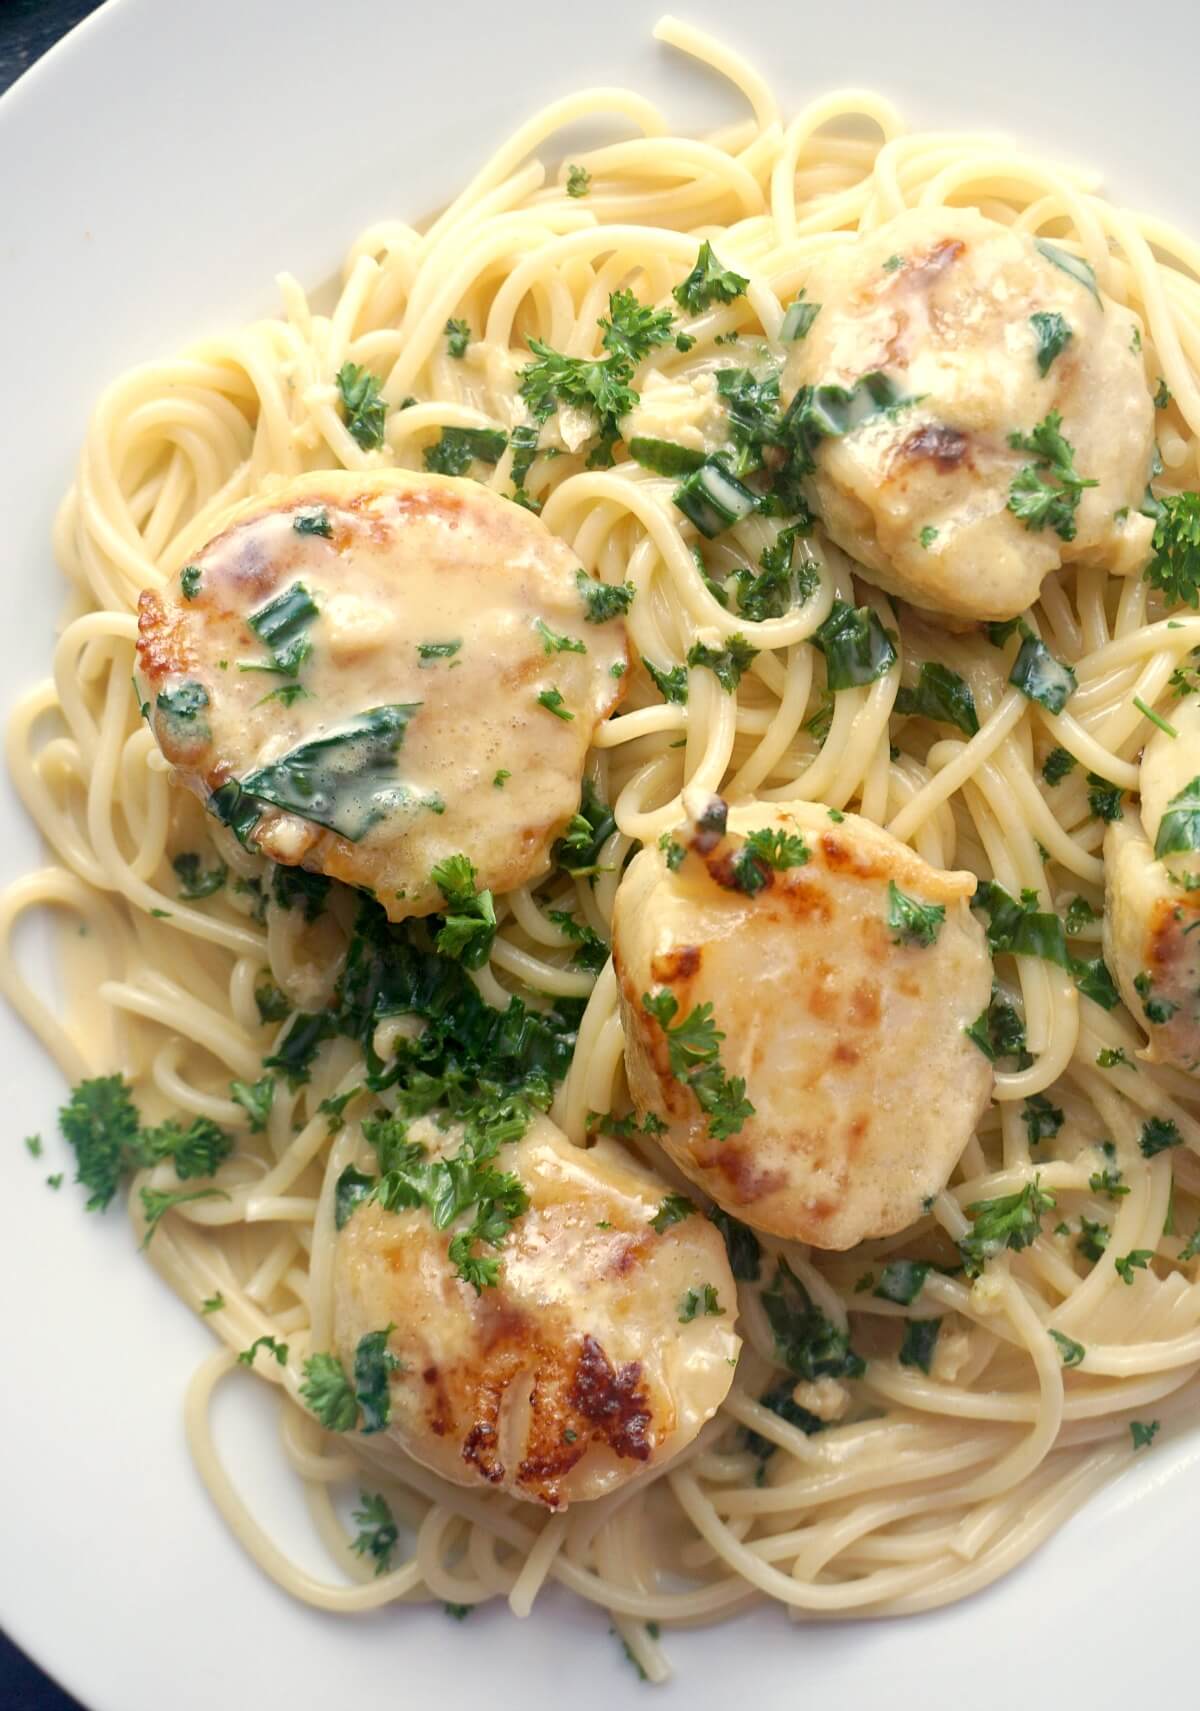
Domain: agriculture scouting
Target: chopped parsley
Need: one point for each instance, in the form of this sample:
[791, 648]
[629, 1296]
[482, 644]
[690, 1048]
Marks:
[1156, 1010]
[1093, 1239]
[1072, 1353]
[902, 1281]
[1040, 677]
[1143, 1433]
[469, 923]
[195, 880]
[1011, 1221]
[806, 1342]
[501, 778]
[189, 581]
[256, 1099]
[708, 283]
[378, 1533]
[458, 448]
[604, 600]
[553, 643]
[693, 1048]
[579, 181]
[632, 329]
[282, 625]
[940, 694]
[213, 1303]
[781, 584]
[429, 653]
[156, 1203]
[999, 1031]
[764, 850]
[365, 410]
[1174, 568]
[101, 1124]
[727, 663]
[1138, 1260]
[1081, 271]
[1039, 502]
[1052, 334]
[741, 1245]
[592, 952]
[1159, 1135]
[920, 1342]
[278, 1350]
[856, 646]
[1162, 394]
[1109, 1057]
[1057, 764]
[1179, 828]
[552, 701]
[699, 1302]
[1079, 915]
[1042, 1119]
[910, 921]
[671, 684]
[1104, 799]
[1108, 1182]
[672, 1210]
[458, 337]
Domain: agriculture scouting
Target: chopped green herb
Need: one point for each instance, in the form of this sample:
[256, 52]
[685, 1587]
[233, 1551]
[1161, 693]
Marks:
[458, 448]
[1109, 1057]
[902, 1281]
[156, 1204]
[553, 643]
[1174, 568]
[1179, 828]
[1042, 1119]
[196, 881]
[1162, 394]
[604, 600]
[920, 1342]
[673, 1210]
[910, 921]
[278, 1350]
[1079, 915]
[312, 520]
[328, 1393]
[1057, 764]
[281, 627]
[727, 663]
[1093, 1239]
[501, 778]
[378, 1533]
[632, 329]
[366, 412]
[1108, 1182]
[33, 1145]
[806, 1342]
[1143, 1433]
[1104, 799]
[693, 1046]
[699, 1302]
[213, 1303]
[1159, 1135]
[1127, 1264]
[579, 181]
[458, 337]
[430, 652]
[1156, 1010]
[1053, 335]
[798, 319]
[1037, 501]
[1011, 1221]
[856, 646]
[1072, 1353]
[255, 1098]
[189, 581]
[1081, 271]
[708, 283]
[999, 1032]
[940, 694]
[469, 927]
[552, 701]
[1040, 677]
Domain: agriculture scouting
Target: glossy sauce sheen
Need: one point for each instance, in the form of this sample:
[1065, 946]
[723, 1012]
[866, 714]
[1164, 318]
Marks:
[941, 301]
[865, 1087]
[393, 562]
[573, 1374]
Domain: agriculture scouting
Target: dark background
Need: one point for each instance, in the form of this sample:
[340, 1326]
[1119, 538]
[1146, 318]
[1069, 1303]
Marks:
[27, 29]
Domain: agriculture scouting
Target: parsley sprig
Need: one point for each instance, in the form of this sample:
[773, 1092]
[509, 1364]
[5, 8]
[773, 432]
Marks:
[693, 1055]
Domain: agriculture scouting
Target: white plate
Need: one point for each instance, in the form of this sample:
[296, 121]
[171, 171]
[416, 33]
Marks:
[156, 171]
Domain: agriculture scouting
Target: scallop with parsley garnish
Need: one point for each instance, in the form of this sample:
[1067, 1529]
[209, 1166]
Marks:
[978, 410]
[795, 990]
[366, 675]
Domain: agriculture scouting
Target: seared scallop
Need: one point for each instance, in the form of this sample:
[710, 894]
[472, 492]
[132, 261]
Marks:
[794, 987]
[602, 1348]
[950, 334]
[363, 675]
[1152, 896]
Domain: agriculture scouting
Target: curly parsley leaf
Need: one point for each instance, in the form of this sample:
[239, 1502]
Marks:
[1052, 334]
[1159, 1135]
[1040, 502]
[1011, 1221]
[727, 663]
[365, 411]
[604, 600]
[697, 1303]
[673, 1209]
[632, 329]
[156, 1203]
[910, 921]
[708, 283]
[1174, 568]
[458, 448]
[693, 1047]
[378, 1533]
[469, 923]
[328, 1393]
